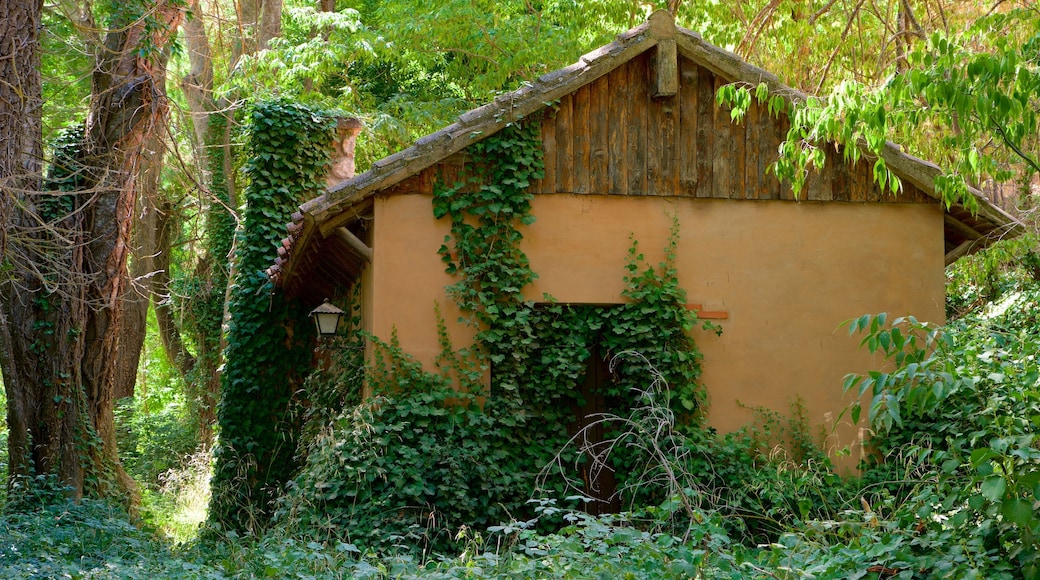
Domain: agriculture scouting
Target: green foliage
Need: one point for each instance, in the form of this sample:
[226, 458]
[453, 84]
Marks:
[614, 546]
[307, 61]
[64, 174]
[958, 406]
[267, 335]
[483, 248]
[198, 295]
[411, 468]
[119, 15]
[89, 539]
[968, 98]
[4, 434]
[985, 276]
[155, 431]
[408, 68]
[153, 441]
[486, 46]
[65, 58]
[340, 384]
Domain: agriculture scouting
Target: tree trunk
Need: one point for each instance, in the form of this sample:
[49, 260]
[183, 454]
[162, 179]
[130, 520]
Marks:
[166, 224]
[143, 267]
[258, 22]
[198, 83]
[127, 111]
[33, 354]
[270, 23]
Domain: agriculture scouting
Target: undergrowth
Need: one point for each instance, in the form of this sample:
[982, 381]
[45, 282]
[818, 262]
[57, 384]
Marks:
[954, 497]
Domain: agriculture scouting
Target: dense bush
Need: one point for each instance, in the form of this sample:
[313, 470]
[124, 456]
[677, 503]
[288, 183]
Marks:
[89, 539]
[954, 498]
[413, 467]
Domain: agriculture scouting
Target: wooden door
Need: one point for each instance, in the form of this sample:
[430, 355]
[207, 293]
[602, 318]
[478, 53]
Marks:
[596, 472]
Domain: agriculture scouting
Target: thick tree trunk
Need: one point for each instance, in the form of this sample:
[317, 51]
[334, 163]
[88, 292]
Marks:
[38, 294]
[143, 268]
[127, 111]
[165, 228]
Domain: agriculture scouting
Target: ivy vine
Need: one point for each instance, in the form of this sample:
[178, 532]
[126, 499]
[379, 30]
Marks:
[483, 250]
[267, 336]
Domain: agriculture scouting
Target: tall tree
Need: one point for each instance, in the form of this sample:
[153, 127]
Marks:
[67, 344]
[203, 286]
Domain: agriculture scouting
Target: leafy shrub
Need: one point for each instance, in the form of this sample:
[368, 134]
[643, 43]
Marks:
[413, 467]
[956, 488]
[154, 441]
[3, 443]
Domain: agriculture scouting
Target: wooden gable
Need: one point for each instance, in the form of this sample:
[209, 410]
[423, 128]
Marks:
[614, 136]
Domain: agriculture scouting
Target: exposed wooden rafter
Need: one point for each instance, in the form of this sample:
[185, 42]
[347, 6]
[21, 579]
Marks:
[960, 251]
[962, 228]
[666, 65]
[354, 243]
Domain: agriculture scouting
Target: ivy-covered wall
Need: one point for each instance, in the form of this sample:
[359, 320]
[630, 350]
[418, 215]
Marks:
[269, 338]
[785, 274]
[434, 448]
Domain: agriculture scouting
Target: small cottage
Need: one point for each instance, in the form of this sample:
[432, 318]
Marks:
[632, 139]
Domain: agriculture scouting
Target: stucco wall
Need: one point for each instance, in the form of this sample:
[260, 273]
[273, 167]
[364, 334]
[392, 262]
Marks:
[788, 274]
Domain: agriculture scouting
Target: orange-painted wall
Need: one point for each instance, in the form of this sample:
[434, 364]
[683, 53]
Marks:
[788, 274]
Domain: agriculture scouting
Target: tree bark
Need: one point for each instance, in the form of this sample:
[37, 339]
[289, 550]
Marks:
[198, 83]
[145, 250]
[165, 227]
[270, 23]
[34, 355]
[259, 21]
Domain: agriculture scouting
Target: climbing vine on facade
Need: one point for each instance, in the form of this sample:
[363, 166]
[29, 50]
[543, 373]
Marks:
[483, 249]
[435, 449]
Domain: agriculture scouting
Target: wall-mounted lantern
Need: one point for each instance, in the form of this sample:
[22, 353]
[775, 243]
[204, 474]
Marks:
[327, 318]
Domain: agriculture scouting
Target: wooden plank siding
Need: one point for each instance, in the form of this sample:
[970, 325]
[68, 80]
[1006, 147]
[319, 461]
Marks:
[688, 154]
[599, 136]
[617, 130]
[582, 146]
[612, 136]
[638, 117]
[662, 142]
[705, 90]
[548, 181]
[564, 145]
